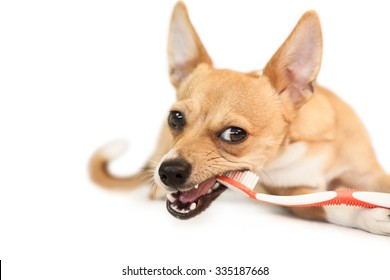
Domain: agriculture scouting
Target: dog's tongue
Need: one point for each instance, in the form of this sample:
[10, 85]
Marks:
[194, 194]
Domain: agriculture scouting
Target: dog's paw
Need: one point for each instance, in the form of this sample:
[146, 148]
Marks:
[376, 220]
[157, 193]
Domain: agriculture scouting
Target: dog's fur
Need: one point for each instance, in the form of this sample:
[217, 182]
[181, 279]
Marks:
[301, 138]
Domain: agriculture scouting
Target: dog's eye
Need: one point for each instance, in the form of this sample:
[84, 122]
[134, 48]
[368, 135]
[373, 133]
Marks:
[176, 120]
[233, 135]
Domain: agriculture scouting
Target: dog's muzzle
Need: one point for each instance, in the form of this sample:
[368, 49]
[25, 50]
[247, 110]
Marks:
[183, 200]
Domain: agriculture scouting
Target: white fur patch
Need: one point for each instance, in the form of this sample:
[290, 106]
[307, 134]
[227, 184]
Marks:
[294, 168]
[172, 154]
[376, 220]
[114, 149]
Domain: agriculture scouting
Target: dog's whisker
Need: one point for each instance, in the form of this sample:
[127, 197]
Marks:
[213, 158]
[210, 152]
[149, 180]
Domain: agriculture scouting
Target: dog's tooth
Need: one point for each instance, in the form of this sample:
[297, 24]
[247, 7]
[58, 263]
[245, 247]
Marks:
[209, 191]
[171, 198]
[196, 186]
[176, 208]
[183, 211]
[216, 185]
[192, 206]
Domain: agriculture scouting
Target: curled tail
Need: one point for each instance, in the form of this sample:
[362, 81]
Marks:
[99, 173]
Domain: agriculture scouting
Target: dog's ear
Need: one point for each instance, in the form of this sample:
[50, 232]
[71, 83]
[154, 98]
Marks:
[185, 50]
[295, 66]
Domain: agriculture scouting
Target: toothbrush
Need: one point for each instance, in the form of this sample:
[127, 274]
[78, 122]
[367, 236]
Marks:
[246, 181]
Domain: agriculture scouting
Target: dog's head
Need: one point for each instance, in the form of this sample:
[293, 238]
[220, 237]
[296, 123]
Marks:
[225, 120]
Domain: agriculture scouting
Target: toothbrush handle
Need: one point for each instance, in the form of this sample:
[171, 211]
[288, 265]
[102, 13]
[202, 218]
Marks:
[364, 199]
[339, 197]
[358, 198]
[348, 197]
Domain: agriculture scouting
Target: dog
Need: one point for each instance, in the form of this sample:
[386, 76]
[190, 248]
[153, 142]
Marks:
[298, 136]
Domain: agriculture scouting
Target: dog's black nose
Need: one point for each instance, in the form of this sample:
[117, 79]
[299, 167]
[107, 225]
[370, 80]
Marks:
[174, 173]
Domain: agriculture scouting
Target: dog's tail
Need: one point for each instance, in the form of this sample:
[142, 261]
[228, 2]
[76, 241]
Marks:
[99, 173]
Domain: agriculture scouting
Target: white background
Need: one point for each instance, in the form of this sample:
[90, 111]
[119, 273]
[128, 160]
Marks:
[77, 74]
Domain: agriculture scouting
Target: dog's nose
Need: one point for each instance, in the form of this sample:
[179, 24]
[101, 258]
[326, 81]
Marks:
[174, 173]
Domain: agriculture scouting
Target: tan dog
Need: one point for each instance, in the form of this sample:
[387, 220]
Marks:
[298, 136]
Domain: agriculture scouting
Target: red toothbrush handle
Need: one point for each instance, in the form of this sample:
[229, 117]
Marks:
[345, 197]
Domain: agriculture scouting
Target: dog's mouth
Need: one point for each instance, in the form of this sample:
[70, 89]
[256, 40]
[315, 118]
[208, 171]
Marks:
[187, 204]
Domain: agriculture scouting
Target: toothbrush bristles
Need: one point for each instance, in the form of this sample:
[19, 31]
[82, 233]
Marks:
[247, 178]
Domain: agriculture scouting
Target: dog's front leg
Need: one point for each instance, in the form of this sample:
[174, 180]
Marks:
[375, 220]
